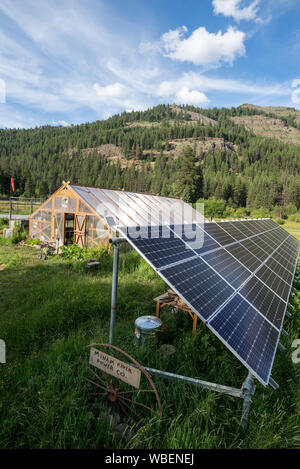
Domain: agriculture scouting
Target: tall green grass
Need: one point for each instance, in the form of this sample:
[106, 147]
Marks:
[50, 310]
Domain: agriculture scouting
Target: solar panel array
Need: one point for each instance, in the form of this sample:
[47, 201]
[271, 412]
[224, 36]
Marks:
[235, 275]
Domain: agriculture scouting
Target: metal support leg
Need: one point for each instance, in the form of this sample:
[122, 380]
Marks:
[248, 390]
[114, 289]
[281, 347]
[197, 382]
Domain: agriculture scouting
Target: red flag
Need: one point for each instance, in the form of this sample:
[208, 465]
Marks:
[12, 181]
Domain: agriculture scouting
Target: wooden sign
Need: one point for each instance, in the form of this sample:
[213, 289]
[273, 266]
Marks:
[115, 367]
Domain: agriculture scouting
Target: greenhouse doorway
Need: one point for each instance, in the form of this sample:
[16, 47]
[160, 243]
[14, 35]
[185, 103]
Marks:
[69, 229]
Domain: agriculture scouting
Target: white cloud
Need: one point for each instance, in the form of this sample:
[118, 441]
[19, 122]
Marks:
[194, 97]
[61, 123]
[63, 61]
[201, 47]
[296, 93]
[235, 9]
[169, 88]
[117, 90]
[2, 91]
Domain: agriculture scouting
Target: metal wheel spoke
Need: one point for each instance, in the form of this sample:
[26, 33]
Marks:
[138, 403]
[136, 391]
[123, 408]
[131, 410]
[95, 384]
[103, 381]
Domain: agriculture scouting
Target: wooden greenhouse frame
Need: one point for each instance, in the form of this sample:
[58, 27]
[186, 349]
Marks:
[52, 227]
[88, 216]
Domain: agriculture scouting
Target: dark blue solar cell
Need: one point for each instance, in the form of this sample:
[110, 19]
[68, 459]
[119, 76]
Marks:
[199, 285]
[244, 256]
[252, 339]
[282, 259]
[252, 227]
[254, 246]
[269, 304]
[228, 267]
[240, 225]
[195, 237]
[281, 271]
[274, 282]
[267, 242]
[232, 230]
[216, 232]
[158, 244]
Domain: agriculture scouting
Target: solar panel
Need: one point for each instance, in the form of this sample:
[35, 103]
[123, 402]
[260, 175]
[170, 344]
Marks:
[244, 256]
[281, 258]
[228, 267]
[158, 244]
[200, 286]
[263, 299]
[218, 233]
[273, 281]
[195, 238]
[281, 271]
[239, 287]
[248, 335]
[232, 230]
[257, 249]
[243, 228]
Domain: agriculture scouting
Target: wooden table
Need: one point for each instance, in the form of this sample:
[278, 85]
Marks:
[164, 300]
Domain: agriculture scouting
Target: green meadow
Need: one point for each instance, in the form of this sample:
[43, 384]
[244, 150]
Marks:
[50, 310]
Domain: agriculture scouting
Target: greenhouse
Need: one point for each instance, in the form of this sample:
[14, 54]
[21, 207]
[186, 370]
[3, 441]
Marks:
[88, 216]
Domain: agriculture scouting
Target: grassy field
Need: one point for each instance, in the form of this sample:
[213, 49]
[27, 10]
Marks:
[50, 310]
[292, 227]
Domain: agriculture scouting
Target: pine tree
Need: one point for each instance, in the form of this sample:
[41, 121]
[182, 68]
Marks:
[189, 178]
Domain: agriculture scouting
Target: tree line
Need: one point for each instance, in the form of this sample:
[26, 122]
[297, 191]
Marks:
[252, 171]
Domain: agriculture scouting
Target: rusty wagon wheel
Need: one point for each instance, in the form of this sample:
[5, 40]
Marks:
[122, 396]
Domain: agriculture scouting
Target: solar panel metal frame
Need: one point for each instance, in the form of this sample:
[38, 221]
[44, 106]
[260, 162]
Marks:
[235, 292]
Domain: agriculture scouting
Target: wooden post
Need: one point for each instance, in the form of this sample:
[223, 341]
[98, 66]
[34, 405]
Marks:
[195, 320]
[158, 309]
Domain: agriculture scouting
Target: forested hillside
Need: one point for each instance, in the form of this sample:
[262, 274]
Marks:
[188, 152]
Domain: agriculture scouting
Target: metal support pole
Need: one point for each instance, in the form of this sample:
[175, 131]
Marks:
[10, 209]
[248, 390]
[114, 289]
[273, 384]
[197, 382]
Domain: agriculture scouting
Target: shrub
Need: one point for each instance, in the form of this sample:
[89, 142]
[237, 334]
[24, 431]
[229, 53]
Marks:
[33, 241]
[241, 212]
[216, 208]
[280, 221]
[260, 213]
[76, 252]
[3, 223]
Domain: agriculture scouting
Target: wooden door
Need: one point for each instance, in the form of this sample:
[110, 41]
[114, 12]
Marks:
[80, 230]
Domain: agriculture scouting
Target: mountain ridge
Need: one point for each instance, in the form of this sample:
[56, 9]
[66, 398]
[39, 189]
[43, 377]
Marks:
[143, 151]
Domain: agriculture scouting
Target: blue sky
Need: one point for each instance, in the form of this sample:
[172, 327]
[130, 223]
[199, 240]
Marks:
[71, 61]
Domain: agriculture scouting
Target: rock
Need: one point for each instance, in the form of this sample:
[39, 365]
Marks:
[93, 265]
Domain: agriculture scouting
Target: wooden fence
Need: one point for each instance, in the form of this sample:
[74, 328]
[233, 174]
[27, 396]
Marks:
[19, 206]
